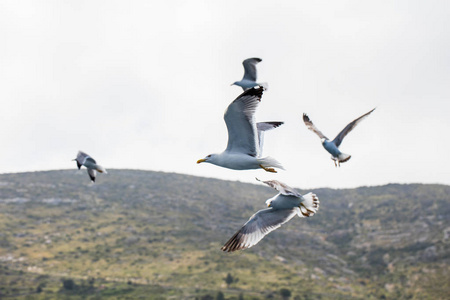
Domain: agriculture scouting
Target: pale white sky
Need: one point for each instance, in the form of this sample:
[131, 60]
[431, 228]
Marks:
[144, 84]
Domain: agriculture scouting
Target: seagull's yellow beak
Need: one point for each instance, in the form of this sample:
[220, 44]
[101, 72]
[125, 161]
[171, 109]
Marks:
[201, 160]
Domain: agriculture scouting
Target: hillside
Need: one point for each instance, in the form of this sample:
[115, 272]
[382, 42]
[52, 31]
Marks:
[152, 235]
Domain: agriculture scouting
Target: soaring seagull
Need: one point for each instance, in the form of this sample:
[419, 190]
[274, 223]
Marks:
[281, 208]
[333, 146]
[245, 136]
[249, 79]
[85, 160]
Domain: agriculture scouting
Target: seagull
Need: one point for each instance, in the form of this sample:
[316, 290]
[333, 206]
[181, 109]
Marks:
[245, 137]
[281, 208]
[85, 160]
[249, 79]
[333, 146]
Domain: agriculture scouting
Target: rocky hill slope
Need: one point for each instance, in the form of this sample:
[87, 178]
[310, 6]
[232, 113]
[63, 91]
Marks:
[153, 235]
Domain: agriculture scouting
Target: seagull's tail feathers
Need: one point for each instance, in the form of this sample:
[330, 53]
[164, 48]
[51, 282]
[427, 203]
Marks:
[269, 162]
[309, 206]
[343, 157]
[101, 169]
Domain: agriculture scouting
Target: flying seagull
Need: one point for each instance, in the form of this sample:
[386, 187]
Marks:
[250, 75]
[333, 146]
[281, 208]
[245, 136]
[85, 160]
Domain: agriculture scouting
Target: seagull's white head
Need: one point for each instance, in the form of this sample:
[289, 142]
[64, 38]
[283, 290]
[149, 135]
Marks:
[269, 202]
[209, 159]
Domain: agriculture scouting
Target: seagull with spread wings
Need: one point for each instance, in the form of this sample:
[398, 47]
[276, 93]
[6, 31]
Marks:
[250, 74]
[281, 208]
[333, 146]
[85, 160]
[245, 136]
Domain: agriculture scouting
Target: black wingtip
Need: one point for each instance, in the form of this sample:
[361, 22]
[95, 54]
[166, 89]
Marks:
[234, 243]
[254, 91]
[255, 58]
[306, 118]
[92, 178]
[275, 123]
[366, 114]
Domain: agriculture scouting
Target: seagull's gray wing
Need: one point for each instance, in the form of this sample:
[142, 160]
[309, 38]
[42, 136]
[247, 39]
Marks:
[283, 188]
[92, 173]
[250, 68]
[338, 139]
[90, 159]
[312, 127]
[261, 128]
[240, 120]
[82, 158]
[258, 226]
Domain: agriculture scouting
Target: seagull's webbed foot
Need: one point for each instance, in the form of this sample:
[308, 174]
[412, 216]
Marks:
[335, 164]
[271, 170]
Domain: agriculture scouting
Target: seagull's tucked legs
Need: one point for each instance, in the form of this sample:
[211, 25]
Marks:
[272, 170]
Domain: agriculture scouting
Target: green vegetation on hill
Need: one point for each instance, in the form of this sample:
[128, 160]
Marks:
[153, 235]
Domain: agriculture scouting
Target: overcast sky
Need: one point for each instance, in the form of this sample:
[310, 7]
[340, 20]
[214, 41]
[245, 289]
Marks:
[144, 85]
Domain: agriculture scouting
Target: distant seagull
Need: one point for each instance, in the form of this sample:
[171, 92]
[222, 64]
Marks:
[245, 137]
[281, 208]
[333, 146]
[250, 75]
[85, 160]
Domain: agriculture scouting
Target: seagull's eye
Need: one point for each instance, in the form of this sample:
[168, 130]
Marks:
[209, 155]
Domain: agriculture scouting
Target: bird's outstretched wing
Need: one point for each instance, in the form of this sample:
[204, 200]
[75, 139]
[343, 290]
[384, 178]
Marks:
[338, 139]
[92, 173]
[82, 158]
[258, 226]
[261, 128]
[312, 127]
[283, 188]
[91, 160]
[250, 68]
[240, 120]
